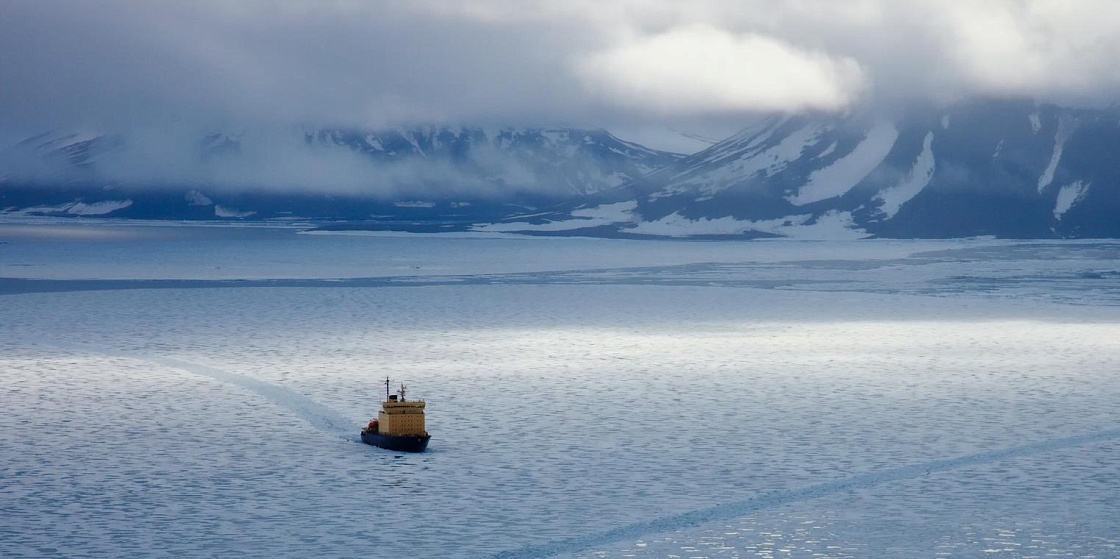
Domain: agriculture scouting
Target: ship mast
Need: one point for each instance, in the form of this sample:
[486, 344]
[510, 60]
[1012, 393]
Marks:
[386, 389]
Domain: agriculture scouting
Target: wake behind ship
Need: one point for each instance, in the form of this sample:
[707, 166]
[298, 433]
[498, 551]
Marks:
[399, 425]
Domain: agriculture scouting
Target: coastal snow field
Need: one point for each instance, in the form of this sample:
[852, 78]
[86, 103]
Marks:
[606, 399]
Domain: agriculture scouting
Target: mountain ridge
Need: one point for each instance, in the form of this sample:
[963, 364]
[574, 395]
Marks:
[981, 167]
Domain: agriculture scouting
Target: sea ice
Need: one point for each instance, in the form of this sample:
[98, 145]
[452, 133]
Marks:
[774, 399]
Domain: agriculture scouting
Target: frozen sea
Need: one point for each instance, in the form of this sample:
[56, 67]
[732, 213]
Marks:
[190, 391]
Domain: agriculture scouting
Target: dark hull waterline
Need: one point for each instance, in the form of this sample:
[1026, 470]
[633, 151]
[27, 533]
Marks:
[399, 443]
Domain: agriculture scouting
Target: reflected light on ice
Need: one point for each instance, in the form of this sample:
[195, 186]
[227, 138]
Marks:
[181, 420]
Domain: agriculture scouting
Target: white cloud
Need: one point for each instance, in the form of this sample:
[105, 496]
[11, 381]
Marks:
[940, 50]
[701, 69]
[1034, 47]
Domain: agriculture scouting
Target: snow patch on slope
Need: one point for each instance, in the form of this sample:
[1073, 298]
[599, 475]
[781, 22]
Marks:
[1066, 126]
[754, 136]
[61, 140]
[374, 142]
[1069, 196]
[196, 198]
[750, 163]
[77, 208]
[606, 214]
[919, 176]
[840, 177]
[833, 225]
[828, 150]
[222, 211]
[98, 208]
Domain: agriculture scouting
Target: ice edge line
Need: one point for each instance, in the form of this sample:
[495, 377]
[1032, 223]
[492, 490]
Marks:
[776, 499]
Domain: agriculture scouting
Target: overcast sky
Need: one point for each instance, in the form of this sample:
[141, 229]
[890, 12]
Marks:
[620, 64]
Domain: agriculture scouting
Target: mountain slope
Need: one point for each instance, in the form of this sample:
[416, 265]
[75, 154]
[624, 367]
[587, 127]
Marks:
[1010, 169]
[437, 173]
[1007, 168]
[560, 160]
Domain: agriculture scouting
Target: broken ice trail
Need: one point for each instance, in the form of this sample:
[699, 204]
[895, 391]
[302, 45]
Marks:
[776, 499]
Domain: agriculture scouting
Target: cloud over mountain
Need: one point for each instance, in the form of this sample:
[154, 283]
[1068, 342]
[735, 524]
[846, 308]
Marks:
[605, 62]
[700, 68]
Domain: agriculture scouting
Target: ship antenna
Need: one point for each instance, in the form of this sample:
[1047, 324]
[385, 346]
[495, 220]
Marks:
[386, 389]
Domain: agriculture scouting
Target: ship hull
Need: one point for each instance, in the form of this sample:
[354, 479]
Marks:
[399, 443]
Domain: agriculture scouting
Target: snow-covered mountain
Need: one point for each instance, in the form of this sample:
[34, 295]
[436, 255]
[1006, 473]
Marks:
[1010, 169]
[56, 149]
[1006, 168]
[438, 173]
[1002, 168]
[559, 160]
